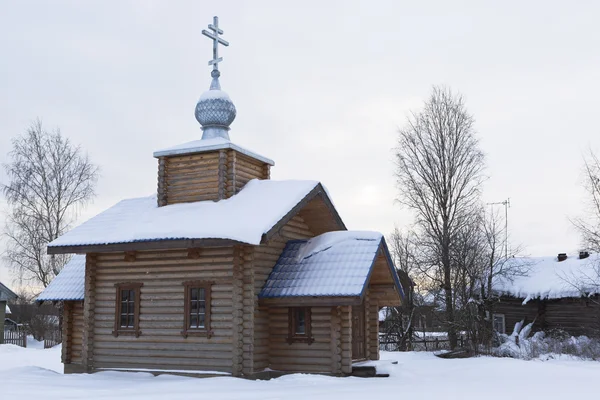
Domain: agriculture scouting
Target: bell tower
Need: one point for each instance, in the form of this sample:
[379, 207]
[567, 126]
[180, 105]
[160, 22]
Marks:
[212, 168]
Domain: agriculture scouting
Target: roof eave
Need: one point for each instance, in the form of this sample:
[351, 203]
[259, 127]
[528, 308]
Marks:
[302, 301]
[205, 149]
[143, 245]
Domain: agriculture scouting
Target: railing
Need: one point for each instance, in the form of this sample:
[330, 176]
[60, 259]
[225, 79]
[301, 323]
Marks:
[427, 344]
[15, 337]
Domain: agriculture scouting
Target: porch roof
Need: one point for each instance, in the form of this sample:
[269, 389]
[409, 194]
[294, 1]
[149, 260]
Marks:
[334, 264]
[68, 284]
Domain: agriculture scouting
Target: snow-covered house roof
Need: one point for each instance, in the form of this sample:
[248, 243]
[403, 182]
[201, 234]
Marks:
[243, 218]
[548, 278]
[6, 294]
[69, 284]
[205, 145]
[7, 310]
[333, 264]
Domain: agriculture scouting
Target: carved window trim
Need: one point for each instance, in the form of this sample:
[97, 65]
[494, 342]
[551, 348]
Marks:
[295, 334]
[120, 288]
[190, 331]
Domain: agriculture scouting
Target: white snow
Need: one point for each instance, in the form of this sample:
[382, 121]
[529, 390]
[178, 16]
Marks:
[549, 279]
[69, 283]
[244, 217]
[204, 145]
[7, 310]
[36, 374]
[214, 94]
[329, 239]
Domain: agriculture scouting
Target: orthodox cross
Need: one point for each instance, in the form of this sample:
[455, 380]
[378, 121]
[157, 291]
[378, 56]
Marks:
[214, 35]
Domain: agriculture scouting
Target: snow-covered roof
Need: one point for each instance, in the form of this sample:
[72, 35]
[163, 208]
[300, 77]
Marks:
[7, 310]
[204, 145]
[69, 283]
[547, 278]
[244, 217]
[332, 264]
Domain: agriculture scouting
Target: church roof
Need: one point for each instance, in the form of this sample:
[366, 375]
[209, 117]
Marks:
[68, 284]
[259, 207]
[205, 145]
[333, 264]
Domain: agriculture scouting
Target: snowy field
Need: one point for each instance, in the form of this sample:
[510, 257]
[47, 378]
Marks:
[36, 374]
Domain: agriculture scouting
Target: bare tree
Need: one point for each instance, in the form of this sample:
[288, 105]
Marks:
[439, 173]
[50, 179]
[589, 225]
[399, 321]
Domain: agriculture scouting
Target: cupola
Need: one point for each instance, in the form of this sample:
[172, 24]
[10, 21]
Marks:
[213, 167]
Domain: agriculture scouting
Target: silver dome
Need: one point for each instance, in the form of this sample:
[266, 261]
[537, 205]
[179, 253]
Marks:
[215, 111]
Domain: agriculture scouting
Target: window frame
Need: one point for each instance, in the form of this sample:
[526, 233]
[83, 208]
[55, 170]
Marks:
[293, 336]
[118, 329]
[503, 322]
[187, 330]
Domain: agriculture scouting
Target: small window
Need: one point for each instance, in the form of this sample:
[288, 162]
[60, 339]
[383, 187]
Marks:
[499, 323]
[299, 325]
[197, 309]
[127, 309]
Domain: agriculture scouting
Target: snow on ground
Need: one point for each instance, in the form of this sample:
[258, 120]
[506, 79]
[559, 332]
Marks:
[35, 374]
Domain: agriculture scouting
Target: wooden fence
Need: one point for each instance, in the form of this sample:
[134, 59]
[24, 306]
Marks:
[15, 337]
[52, 339]
[427, 344]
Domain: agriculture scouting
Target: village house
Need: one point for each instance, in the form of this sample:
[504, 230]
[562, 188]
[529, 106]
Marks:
[5, 296]
[223, 271]
[554, 294]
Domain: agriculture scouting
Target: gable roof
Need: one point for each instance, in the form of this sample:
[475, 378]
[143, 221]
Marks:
[6, 294]
[547, 278]
[262, 205]
[334, 264]
[69, 284]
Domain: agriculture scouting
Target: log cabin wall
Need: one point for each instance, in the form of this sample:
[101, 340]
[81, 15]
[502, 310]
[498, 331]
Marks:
[574, 315]
[161, 344]
[206, 176]
[263, 259]
[301, 357]
[514, 311]
[72, 332]
[372, 331]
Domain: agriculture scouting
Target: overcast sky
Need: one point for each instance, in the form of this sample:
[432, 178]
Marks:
[321, 87]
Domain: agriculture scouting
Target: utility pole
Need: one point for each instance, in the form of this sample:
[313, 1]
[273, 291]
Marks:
[506, 204]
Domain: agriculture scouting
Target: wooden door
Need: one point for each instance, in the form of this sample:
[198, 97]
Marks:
[358, 332]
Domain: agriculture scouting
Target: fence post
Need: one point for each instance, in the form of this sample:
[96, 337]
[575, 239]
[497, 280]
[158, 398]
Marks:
[462, 341]
[437, 343]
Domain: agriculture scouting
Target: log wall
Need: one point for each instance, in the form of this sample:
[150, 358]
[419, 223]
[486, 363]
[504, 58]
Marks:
[72, 332]
[161, 344]
[574, 315]
[263, 259]
[206, 176]
[300, 357]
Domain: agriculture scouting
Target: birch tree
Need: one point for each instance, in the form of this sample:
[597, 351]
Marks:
[439, 171]
[49, 181]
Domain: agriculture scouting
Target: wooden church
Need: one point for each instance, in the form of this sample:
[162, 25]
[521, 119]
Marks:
[224, 271]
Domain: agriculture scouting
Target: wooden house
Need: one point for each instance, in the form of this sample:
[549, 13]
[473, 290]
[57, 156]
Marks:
[224, 271]
[5, 296]
[554, 294]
